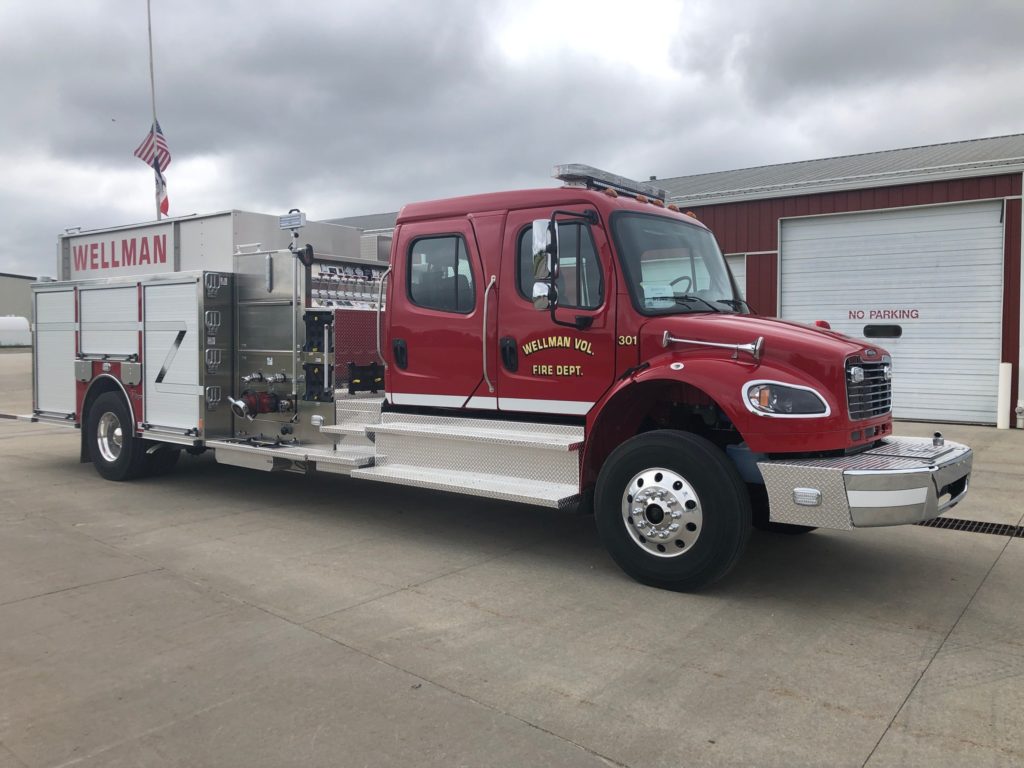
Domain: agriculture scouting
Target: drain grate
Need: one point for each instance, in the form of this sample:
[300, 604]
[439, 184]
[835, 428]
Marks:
[974, 526]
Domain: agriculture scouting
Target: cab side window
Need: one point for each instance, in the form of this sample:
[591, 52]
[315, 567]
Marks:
[580, 285]
[439, 274]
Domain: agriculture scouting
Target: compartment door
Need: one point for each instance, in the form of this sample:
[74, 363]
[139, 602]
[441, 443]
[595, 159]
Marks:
[54, 351]
[171, 355]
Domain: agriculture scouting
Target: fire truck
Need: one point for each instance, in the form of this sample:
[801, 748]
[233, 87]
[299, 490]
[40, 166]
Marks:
[579, 347]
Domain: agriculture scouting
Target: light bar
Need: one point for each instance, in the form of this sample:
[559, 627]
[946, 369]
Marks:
[292, 220]
[575, 174]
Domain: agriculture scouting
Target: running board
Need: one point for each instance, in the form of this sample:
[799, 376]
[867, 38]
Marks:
[555, 495]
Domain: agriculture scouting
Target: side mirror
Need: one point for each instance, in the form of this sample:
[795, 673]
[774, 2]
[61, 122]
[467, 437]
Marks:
[545, 264]
[544, 295]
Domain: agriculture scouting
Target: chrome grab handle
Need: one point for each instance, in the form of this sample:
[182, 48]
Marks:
[327, 362]
[380, 303]
[487, 290]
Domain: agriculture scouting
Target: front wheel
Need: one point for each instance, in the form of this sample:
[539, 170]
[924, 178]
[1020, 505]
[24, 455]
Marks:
[672, 510]
[115, 451]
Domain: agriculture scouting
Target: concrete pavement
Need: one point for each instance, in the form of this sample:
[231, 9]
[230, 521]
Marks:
[226, 617]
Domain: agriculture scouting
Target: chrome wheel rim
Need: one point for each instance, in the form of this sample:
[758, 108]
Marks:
[662, 512]
[109, 437]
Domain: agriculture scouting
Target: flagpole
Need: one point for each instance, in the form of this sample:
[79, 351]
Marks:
[152, 93]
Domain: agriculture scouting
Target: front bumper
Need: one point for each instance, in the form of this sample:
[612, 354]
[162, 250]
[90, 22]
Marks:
[904, 480]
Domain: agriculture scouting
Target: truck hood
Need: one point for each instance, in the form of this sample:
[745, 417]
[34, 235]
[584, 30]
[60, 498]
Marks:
[802, 346]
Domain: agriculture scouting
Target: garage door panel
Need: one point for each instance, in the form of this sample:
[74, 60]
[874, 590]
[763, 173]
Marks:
[939, 219]
[913, 254]
[937, 272]
[955, 235]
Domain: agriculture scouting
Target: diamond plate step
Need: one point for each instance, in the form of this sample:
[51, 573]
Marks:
[356, 456]
[350, 434]
[367, 405]
[557, 495]
[521, 451]
[489, 434]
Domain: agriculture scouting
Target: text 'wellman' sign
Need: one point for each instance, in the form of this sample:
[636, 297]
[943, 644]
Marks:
[139, 251]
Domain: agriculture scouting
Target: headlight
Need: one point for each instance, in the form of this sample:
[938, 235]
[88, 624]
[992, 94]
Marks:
[773, 399]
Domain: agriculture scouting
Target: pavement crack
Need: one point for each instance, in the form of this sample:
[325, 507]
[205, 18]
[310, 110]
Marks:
[938, 650]
[79, 586]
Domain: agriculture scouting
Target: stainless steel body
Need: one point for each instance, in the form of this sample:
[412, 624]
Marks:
[171, 335]
[905, 480]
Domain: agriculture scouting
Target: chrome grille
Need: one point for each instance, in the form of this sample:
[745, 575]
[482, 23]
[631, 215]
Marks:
[873, 396]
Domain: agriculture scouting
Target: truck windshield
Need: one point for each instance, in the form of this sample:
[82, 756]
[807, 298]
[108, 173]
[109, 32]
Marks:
[672, 266]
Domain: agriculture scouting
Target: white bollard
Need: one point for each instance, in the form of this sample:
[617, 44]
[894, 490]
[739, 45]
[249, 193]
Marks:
[1003, 398]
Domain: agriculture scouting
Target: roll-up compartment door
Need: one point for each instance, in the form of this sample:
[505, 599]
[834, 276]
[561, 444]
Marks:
[54, 351]
[171, 362]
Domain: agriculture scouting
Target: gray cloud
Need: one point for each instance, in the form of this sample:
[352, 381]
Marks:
[353, 108]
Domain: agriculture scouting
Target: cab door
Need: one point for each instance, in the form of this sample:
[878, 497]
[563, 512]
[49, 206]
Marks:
[543, 366]
[434, 315]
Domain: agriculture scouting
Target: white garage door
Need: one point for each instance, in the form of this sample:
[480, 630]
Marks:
[932, 275]
[738, 265]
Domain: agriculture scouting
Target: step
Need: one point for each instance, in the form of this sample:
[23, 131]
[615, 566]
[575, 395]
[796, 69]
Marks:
[349, 428]
[543, 453]
[340, 456]
[351, 404]
[545, 494]
[491, 434]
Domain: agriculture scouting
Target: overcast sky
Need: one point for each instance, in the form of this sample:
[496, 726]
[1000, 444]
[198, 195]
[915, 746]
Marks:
[347, 108]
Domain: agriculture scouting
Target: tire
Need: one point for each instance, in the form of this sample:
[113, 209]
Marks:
[115, 451]
[162, 461]
[684, 481]
[760, 518]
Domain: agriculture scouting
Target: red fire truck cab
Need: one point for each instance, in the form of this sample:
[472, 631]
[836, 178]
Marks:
[582, 346]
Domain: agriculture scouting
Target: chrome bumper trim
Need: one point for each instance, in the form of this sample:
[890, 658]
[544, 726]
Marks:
[905, 480]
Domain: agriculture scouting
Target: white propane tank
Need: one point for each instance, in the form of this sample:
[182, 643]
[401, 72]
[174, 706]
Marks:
[14, 332]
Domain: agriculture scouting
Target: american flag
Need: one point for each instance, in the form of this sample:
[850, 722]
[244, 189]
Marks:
[154, 146]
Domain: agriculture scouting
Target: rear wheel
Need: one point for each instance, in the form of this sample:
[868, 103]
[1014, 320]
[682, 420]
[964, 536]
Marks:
[672, 510]
[113, 447]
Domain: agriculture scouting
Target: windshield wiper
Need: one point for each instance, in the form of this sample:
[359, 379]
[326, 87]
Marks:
[687, 298]
[736, 304]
